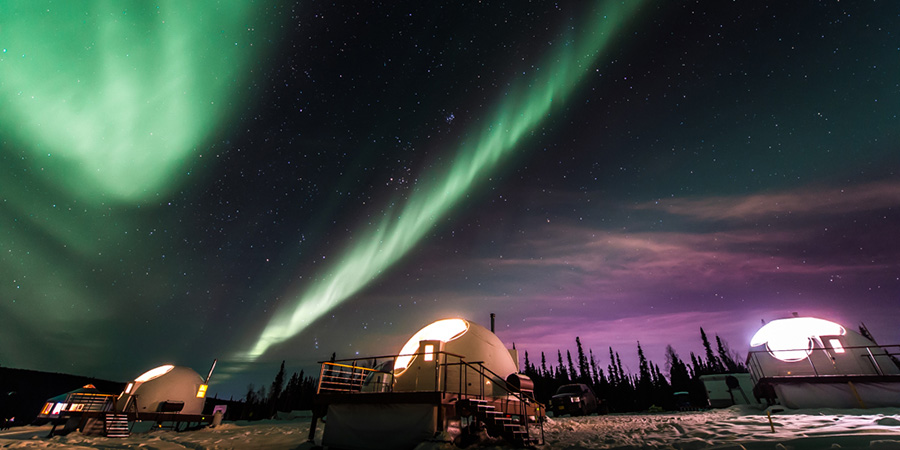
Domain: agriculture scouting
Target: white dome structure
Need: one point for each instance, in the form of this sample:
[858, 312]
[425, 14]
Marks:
[448, 370]
[811, 346]
[444, 342]
[167, 388]
[807, 362]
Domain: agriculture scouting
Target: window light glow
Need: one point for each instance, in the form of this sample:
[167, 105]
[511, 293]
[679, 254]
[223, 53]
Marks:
[47, 407]
[154, 373]
[792, 339]
[836, 345]
[444, 330]
[57, 408]
[128, 388]
[429, 352]
[201, 392]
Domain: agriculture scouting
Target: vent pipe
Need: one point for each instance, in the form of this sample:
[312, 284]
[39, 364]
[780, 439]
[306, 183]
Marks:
[209, 375]
[492, 321]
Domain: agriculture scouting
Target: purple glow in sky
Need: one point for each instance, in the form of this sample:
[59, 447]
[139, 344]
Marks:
[721, 164]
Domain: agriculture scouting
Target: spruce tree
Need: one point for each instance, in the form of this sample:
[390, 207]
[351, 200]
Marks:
[643, 367]
[572, 375]
[561, 374]
[622, 375]
[544, 371]
[644, 385]
[697, 367]
[614, 378]
[715, 366]
[275, 392]
[678, 373]
[583, 365]
[730, 364]
[292, 393]
[660, 378]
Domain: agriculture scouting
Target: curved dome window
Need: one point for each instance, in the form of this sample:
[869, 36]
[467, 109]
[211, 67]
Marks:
[444, 330]
[154, 373]
[792, 340]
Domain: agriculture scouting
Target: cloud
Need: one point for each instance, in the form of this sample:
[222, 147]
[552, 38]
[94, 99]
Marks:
[815, 201]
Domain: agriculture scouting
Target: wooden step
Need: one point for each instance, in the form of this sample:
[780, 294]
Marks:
[117, 425]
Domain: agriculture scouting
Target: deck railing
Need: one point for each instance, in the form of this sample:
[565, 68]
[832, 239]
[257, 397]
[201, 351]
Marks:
[879, 360]
[376, 375]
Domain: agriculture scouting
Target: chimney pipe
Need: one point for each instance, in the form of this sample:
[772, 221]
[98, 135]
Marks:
[492, 321]
[209, 375]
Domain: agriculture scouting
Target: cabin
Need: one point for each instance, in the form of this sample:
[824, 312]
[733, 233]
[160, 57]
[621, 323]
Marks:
[727, 389]
[807, 362]
[453, 377]
[85, 398]
[168, 394]
[165, 389]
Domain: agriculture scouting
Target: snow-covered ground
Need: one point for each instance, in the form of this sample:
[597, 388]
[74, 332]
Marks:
[731, 428]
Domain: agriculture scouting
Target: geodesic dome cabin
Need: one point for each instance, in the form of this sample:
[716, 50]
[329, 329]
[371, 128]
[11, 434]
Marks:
[165, 389]
[439, 342]
[800, 346]
[448, 370]
[806, 362]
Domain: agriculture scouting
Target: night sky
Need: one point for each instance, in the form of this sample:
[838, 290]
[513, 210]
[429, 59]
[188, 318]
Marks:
[259, 182]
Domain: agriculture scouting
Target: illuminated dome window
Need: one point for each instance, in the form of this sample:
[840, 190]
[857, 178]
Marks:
[791, 340]
[443, 330]
[154, 373]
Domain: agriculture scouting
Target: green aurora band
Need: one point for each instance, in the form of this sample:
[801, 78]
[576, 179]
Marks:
[113, 97]
[102, 107]
[396, 235]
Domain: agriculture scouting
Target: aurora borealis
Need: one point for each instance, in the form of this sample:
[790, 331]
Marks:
[116, 98]
[399, 232]
[258, 183]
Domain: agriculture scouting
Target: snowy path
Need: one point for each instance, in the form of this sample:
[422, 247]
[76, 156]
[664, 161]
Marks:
[731, 428]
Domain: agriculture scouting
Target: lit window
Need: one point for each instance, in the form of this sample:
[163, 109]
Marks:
[792, 339]
[153, 373]
[836, 345]
[47, 407]
[429, 352]
[444, 330]
[57, 409]
[128, 388]
[201, 392]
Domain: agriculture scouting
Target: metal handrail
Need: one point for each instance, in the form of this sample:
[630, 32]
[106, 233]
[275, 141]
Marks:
[344, 381]
[523, 400]
[757, 369]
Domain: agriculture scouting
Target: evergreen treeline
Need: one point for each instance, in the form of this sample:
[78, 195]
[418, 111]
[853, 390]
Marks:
[621, 391]
[295, 394]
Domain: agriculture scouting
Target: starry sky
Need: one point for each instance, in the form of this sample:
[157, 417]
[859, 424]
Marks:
[261, 182]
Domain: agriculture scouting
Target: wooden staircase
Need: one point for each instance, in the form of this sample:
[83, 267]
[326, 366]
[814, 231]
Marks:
[496, 422]
[117, 425]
